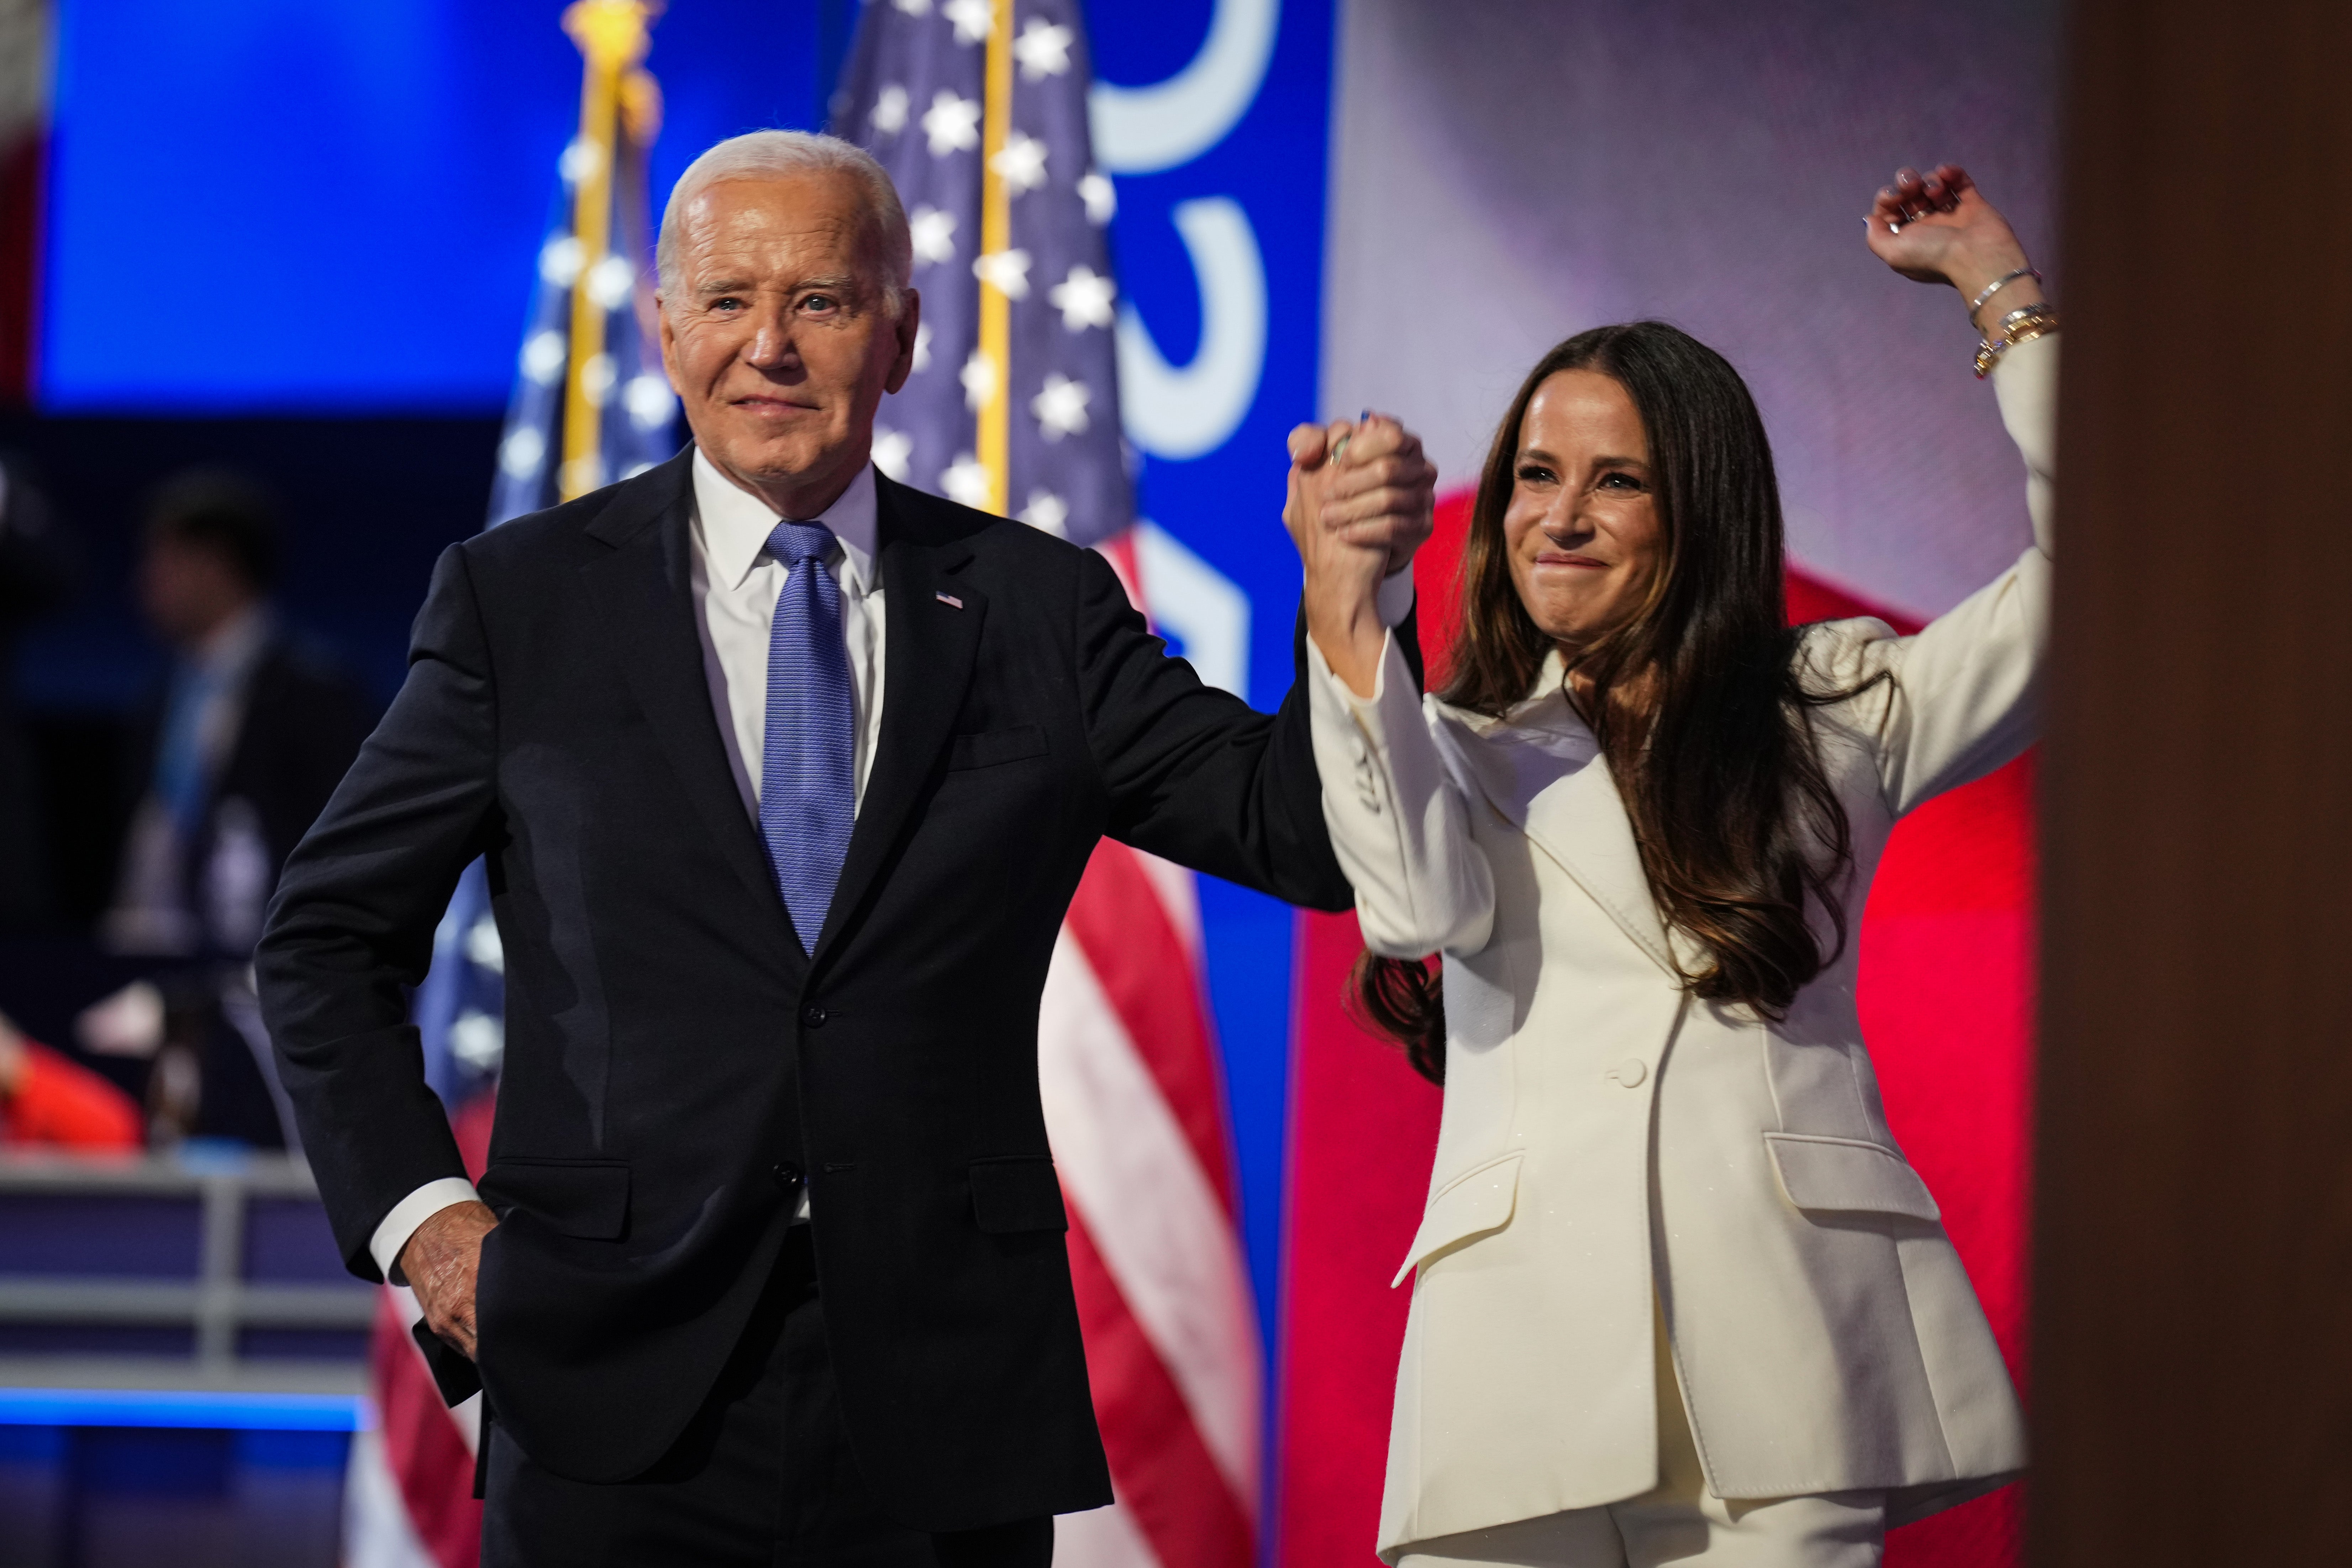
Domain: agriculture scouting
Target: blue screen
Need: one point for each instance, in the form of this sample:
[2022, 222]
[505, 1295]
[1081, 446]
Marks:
[280, 205]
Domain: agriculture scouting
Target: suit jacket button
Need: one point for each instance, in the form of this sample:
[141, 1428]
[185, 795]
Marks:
[813, 1016]
[787, 1176]
[1630, 1072]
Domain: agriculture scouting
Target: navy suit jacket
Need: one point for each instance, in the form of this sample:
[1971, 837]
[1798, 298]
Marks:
[679, 1059]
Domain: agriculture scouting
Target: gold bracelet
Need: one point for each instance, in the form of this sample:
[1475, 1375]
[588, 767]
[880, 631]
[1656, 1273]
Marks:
[2017, 326]
[2011, 323]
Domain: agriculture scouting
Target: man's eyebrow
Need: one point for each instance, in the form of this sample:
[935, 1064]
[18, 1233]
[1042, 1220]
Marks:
[830, 283]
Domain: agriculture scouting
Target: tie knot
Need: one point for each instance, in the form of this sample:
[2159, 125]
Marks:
[793, 543]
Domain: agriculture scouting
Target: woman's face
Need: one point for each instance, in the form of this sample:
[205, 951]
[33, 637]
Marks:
[1582, 525]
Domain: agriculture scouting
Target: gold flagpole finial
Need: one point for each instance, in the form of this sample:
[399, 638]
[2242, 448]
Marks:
[613, 37]
[612, 33]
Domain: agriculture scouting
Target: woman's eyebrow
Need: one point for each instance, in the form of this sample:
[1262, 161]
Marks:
[1537, 455]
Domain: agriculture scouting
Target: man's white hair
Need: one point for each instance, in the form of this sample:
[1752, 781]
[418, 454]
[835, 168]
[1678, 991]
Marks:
[783, 154]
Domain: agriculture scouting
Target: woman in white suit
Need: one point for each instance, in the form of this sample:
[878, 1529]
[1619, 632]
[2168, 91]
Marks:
[1677, 1295]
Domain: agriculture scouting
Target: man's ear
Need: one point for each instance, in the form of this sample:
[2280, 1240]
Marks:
[907, 327]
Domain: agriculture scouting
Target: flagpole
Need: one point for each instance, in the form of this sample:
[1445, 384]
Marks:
[993, 437]
[611, 35]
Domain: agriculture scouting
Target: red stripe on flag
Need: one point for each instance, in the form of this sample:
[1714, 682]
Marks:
[1146, 972]
[1163, 1473]
[422, 1448]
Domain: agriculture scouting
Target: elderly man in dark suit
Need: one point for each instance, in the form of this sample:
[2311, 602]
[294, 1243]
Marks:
[786, 775]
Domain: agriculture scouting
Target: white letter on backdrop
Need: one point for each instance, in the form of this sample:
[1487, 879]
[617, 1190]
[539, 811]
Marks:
[1140, 128]
[1183, 412]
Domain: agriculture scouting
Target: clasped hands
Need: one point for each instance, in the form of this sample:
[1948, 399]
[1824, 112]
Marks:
[1362, 498]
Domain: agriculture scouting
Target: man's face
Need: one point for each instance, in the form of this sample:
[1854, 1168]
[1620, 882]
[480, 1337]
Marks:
[188, 589]
[777, 334]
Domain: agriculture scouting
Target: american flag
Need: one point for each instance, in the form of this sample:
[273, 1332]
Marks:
[591, 406]
[978, 108]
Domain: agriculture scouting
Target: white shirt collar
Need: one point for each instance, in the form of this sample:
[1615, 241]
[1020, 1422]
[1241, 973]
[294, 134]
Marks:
[232, 645]
[736, 525]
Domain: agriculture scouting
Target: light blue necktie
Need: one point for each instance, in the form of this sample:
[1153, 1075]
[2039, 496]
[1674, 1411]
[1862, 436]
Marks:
[180, 783]
[808, 782]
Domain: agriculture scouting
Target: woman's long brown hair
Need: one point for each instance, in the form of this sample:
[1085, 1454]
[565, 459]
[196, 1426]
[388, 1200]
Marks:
[1697, 700]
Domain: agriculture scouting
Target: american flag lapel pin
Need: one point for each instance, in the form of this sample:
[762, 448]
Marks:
[949, 600]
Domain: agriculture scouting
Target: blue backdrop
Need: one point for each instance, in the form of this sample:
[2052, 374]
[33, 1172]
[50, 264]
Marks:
[276, 206]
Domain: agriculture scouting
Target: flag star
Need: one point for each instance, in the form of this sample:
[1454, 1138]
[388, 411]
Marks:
[596, 379]
[1061, 407]
[889, 114]
[966, 480]
[1100, 195]
[560, 261]
[543, 356]
[933, 234]
[922, 346]
[979, 378]
[483, 948]
[478, 1039]
[609, 281]
[650, 402]
[1006, 270]
[914, 7]
[1084, 298]
[1021, 164]
[581, 159]
[973, 19]
[1048, 513]
[1043, 49]
[521, 453]
[892, 451]
[952, 123]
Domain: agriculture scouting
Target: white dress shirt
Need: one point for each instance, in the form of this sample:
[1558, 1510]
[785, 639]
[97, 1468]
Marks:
[736, 585]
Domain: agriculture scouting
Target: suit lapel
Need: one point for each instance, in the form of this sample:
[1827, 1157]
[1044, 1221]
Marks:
[1545, 773]
[644, 591]
[930, 645]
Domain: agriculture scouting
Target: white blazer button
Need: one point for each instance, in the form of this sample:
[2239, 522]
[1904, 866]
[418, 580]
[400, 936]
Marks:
[1630, 1072]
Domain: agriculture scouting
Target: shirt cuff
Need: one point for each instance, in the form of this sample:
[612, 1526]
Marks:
[409, 1212]
[1394, 600]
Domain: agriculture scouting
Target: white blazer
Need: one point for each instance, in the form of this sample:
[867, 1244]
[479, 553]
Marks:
[1607, 1140]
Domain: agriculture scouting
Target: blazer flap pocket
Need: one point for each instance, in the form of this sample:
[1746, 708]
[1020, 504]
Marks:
[1017, 1193]
[986, 748]
[1475, 1203]
[1846, 1174]
[584, 1198]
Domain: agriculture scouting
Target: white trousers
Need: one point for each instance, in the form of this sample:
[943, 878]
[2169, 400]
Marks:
[1677, 1523]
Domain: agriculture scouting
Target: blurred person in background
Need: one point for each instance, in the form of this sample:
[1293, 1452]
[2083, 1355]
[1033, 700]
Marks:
[37, 576]
[249, 736]
[48, 1099]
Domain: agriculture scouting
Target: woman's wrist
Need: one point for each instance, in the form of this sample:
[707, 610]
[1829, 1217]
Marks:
[1351, 638]
[1972, 271]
